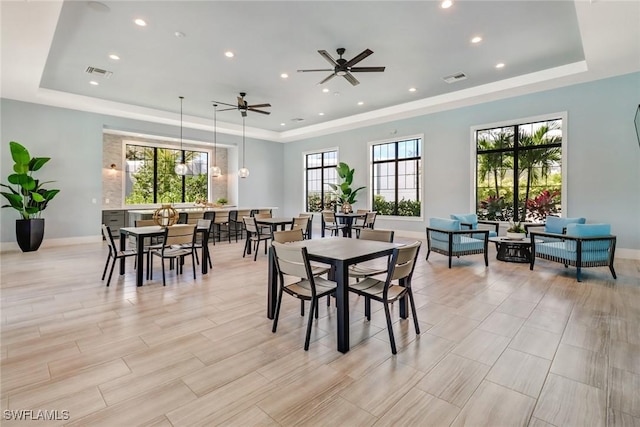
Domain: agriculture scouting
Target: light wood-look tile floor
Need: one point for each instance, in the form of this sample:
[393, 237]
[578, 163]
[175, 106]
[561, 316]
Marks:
[500, 346]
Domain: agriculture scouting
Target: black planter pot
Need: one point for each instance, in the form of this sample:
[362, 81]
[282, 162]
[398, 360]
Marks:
[29, 233]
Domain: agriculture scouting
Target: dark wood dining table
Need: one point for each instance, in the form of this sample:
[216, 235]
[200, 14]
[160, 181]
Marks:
[339, 253]
[275, 222]
[141, 233]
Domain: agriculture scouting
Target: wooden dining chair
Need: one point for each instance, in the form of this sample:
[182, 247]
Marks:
[330, 223]
[114, 253]
[301, 223]
[255, 235]
[293, 262]
[175, 238]
[368, 269]
[385, 291]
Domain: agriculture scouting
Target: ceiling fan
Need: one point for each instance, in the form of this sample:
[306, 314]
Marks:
[243, 106]
[344, 68]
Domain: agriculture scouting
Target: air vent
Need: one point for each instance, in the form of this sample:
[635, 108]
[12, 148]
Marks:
[455, 77]
[99, 72]
[297, 119]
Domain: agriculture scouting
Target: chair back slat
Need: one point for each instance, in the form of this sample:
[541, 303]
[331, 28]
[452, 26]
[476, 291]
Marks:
[328, 217]
[301, 223]
[263, 215]
[106, 233]
[378, 235]
[250, 224]
[403, 261]
[292, 260]
[370, 219]
[144, 222]
[221, 217]
[295, 235]
[179, 234]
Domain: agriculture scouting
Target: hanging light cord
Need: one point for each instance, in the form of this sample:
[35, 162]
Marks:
[244, 145]
[181, 151]
[215, 143]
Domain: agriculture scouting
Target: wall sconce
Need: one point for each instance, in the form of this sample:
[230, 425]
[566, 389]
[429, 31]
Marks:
[113, 166]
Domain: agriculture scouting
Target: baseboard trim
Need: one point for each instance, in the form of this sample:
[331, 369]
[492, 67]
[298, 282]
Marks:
[51, 243]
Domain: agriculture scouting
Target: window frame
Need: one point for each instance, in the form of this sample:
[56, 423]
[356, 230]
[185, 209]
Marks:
[562, 115]
[420, 180]
[164, 146]
[305, 195]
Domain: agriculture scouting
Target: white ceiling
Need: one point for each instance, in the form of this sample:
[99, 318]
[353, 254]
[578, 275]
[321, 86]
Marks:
[47, 46]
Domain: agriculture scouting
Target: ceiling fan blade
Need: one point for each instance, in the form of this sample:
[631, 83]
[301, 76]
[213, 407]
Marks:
[351, 79]
[224, 103]
[366, 69]
[328, 57]
[322, 69]
[258, 105]
[259, 111]
[327, 78]
[228, 109]
[358, 58]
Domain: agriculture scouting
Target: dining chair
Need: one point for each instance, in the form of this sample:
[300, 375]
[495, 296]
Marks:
[114, 253]
[364, 270]
[255, 235]
[369, 222]
[308, 231]
[330, 223]
[403, 261]
[198, 242]
[236, 223]
[183, 218]
[301, 223]
[175, 237]
[220, 223]
[293, 261]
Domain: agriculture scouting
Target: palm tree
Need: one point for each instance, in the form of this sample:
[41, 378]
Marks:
[495, 164]
[537, 163]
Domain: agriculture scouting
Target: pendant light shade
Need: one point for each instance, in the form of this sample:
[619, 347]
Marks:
[243, 172]
[181, 168]
[214, 170]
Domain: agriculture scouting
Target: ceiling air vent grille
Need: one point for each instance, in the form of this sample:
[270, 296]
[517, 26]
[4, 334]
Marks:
[455, 77]
[99, 72]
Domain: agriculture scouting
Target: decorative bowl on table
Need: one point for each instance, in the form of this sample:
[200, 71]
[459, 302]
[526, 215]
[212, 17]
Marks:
[516, 236]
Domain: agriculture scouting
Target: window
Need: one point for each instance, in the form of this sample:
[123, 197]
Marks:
[396, 170]
[320, 171]
[519, 171]
[150, 176]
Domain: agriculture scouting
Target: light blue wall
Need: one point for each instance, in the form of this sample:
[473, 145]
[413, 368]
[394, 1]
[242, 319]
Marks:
[603, 165]
[73, 139]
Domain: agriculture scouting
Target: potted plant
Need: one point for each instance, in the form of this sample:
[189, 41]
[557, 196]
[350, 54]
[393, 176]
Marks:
[516, 231]
[222, 201]
[345, 194]
[28, 197]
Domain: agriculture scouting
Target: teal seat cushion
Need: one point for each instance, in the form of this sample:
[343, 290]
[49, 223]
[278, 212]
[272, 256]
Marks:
[566, 250]
[464, 244]
[554, 224]
[444, 224]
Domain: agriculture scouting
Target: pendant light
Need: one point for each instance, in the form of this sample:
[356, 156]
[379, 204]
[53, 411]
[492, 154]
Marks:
[214, 170]
[243, 172]
[181, 168]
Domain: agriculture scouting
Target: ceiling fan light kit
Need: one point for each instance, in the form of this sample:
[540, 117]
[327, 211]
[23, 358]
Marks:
[345, 68]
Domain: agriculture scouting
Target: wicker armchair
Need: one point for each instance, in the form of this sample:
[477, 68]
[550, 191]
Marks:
[445, 236]
[583, 245]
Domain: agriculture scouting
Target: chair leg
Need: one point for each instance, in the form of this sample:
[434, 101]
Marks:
[113, 264]
[302, 307]
[277, 313]
[449, 260]
[164, 281]
[106, 264]
[578, 274]
[314, 302]
[193, 264]
[317, 309]
[413, 310]
[613, 272]
[209, 259]
[486, 259]
[255, 250]
[428, 252]
[197, 258]
[390, 328]
[367, 308]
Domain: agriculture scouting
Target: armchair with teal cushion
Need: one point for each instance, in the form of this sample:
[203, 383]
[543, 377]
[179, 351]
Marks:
[446, 237]
[583, 245]
[471, 221]
[554, 224]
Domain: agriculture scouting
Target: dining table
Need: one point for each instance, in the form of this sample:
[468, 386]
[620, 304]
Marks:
[347, 219]
[339, 253]
[141, 233]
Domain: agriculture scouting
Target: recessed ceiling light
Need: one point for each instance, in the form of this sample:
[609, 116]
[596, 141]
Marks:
[412, 89]
[94, 83]
[446, 4]
[283, 124]
[114, 57]
[321, 114]
[500, 65]
[140, 22]
[325, 90]
[476, 39]
[284, 75]
[179, 34]
[360, 103]
[229, 54]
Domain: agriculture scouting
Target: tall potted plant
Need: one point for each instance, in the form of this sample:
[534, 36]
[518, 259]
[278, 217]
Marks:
[345, 194]
[28, 197]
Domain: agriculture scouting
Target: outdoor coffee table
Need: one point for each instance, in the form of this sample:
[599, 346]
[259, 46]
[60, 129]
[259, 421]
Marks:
[510, 250]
